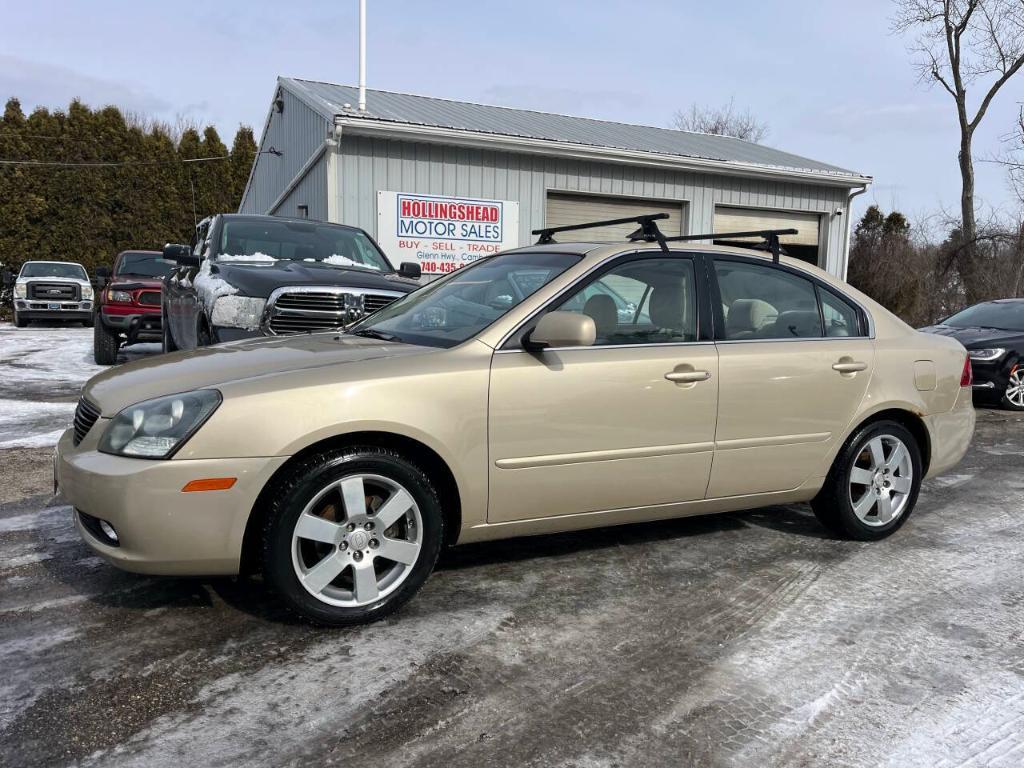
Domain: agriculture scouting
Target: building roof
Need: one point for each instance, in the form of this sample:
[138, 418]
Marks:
[330, 100]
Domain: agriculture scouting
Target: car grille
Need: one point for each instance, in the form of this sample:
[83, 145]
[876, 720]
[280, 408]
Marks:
[150, 298]
[85, 416]
[301, 311]
[53, 291]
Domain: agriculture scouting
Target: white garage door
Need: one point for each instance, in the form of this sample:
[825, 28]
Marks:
[563, 209]
[748, 219]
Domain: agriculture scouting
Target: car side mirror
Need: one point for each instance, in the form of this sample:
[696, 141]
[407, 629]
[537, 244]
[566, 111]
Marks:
[102, 276]
[181, 254]
[410, 269]
[561, 329]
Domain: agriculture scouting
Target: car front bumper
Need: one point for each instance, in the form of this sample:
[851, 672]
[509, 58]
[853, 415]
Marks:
[160, 529]
[138, 325]
[991, 379]
[31, 309]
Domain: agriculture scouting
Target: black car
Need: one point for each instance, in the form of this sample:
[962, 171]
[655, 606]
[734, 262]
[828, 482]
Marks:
[246, 276]
[993, 333]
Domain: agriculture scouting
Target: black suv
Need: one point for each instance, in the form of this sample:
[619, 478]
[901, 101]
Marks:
[993, 333]
[246, 276]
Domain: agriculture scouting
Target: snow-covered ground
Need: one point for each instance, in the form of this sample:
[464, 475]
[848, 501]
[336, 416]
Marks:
[42, 370]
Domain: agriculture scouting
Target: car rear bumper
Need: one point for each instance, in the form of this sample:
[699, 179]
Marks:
[950, 433]
[160, 529]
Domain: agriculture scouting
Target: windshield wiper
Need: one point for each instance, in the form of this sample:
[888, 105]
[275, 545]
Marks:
[373, 333]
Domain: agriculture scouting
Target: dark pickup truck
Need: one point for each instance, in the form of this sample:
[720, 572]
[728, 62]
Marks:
[246, 276]
[128, 306]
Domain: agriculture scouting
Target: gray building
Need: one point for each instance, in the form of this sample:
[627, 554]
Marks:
[322, 158]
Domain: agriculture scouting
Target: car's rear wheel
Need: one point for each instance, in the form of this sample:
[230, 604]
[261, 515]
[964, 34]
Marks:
[873, 484]
[104, 343]
[351, 535]
[1013, 397]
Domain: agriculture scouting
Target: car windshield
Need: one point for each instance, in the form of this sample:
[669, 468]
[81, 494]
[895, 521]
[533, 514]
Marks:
[1006, 316]
[268, 240]
[455, 309]
[54, 269]
[144, 265]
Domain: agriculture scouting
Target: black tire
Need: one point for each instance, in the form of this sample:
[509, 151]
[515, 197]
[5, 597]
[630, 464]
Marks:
[204, 338]
[168, 340]
[833, 505]
[1004, 400]
[294, 491]
[19, 321]
[87, 323]
[104, 343]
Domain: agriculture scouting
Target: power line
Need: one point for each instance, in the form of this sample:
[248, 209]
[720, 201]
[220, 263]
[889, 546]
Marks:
[106, 164]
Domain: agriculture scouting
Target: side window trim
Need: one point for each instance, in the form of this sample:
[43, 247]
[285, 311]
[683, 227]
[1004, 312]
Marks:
[513, 341]
[865, 330]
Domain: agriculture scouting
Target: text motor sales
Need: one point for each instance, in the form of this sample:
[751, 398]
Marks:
[444, 233]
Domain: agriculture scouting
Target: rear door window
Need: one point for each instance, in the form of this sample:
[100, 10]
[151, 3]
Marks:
[764, 302]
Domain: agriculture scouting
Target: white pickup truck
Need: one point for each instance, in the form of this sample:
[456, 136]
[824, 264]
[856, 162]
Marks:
[52, 290]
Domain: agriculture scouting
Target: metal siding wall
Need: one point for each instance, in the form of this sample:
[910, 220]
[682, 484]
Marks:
[368, 165]
[311, 191]
[298, 132]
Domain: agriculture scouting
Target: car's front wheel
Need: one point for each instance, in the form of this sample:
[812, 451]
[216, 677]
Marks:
[351, 535]
[105, 343]
[873, 484]
[19, 321]
[1013, 397]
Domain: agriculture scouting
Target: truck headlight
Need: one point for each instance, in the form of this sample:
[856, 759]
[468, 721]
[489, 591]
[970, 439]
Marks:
[986, 355]
[21, 290]
[155, 429]
[121, 297]
[238, 312]
[86, 291]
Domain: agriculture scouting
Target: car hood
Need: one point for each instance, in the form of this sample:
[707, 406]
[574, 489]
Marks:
[260, 278]
[130, 282]
[169, 374]
[72, 280]
[978, 337]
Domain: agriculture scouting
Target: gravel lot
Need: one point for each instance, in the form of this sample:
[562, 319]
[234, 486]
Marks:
[735, 640]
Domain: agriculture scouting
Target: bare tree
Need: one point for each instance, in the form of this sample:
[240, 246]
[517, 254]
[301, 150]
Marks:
[960, 43]
[721, 121]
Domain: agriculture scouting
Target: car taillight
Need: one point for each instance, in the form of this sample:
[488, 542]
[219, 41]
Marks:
[967, 377]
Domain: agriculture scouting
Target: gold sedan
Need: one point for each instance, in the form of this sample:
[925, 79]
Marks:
[551, 388]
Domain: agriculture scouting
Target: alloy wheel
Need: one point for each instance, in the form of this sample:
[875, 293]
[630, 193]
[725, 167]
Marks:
[1015, 387]
[357, 540]
[881, 480]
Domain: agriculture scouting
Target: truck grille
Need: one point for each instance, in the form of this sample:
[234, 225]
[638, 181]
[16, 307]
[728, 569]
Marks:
[304, 310]
[85, 416]
[150, 298]
[53, 291]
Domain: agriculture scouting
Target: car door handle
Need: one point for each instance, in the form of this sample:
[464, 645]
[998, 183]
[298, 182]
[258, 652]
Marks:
[688, 377]
[849, 366]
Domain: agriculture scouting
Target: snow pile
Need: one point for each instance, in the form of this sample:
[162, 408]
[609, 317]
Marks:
[252, 258]
[210, 286]
[344, 261]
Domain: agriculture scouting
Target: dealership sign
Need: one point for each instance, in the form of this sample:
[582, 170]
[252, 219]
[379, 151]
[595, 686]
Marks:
[444, 233]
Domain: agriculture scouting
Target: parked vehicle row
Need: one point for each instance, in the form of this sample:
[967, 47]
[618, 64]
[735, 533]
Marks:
[549, 388]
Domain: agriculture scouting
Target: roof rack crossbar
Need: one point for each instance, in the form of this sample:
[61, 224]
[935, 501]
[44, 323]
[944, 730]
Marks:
[771, 238]
[648, 229]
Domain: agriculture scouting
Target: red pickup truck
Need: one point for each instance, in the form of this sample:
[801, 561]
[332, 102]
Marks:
[128, 308]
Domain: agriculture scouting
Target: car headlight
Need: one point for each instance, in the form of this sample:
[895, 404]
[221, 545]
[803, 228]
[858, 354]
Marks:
[155, 429]
[86, 291]
[121, 297]
[21, 290]
[238, 312]
[986, 355]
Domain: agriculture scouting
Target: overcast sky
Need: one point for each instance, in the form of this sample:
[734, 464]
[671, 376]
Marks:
[828, 77]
